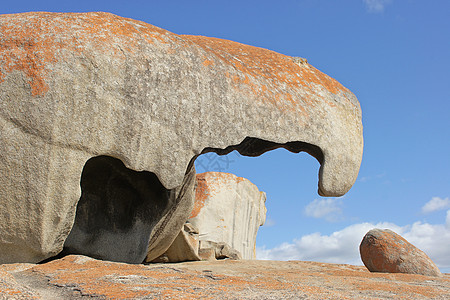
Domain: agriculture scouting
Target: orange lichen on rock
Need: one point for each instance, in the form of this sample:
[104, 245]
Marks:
[260, 62]
[31, 42]
[230, 280]
[386, 251]
[207, 63]
[11, 289]
[205, 188]
[201, 194]
[112, 280]
[255, 62]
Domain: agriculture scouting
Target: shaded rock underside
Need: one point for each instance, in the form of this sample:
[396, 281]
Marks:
[119, 207]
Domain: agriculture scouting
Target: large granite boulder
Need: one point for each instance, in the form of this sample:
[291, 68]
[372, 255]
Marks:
[386, 251]
[124, 108]
[227, 214]
[228, 209]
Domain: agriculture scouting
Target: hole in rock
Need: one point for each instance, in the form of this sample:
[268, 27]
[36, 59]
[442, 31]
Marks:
[255, 147]
[117, 205]
[289, 179]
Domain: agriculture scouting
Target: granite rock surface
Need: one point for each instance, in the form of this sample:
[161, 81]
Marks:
[80, 277]
[228, 209]
[185, 247]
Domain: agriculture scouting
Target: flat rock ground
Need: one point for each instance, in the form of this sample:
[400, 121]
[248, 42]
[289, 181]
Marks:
[80, 277]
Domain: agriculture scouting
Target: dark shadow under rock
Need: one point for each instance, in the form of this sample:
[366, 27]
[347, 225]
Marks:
[117, 211]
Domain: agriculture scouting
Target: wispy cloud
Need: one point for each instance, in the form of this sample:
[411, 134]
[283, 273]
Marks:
[369, 178]
[436, 204]
[329, 209]
[343, 246]
[376, 6]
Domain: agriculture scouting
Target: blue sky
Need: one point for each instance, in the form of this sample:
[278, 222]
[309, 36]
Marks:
[395, 56]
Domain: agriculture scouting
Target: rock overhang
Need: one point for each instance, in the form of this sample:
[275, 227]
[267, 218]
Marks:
[92, 84]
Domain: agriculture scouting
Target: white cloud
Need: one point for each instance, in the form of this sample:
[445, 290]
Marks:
[433, 240]
[435, 204]
[343, 246]
[339, 247]
[329, 209]
[447, 220]
[376, 6]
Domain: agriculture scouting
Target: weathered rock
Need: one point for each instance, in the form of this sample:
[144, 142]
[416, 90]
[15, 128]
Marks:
[78, 277]
[386, 251]
[76, 88]
[11, 289]
[221, 250]
[185, 247]
[207, 254]
[228, 209]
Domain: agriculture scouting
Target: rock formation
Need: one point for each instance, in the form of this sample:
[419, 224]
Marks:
[386, 251]
[188, 247]
[228, 209]
[221, 250]
[124, 108]
[227, 214]
[185, 247]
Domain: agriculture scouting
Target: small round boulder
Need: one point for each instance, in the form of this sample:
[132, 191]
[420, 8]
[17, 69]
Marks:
[385, 251]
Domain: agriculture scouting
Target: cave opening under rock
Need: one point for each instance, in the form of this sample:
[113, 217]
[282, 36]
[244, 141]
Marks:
[116, 203]
[119, 207]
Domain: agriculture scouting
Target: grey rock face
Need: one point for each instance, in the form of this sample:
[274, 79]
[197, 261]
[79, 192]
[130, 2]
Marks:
[386, 251]
[184, 247]
[75, 87]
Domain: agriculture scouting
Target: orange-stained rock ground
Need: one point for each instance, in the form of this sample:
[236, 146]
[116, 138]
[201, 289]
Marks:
[79, 277]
